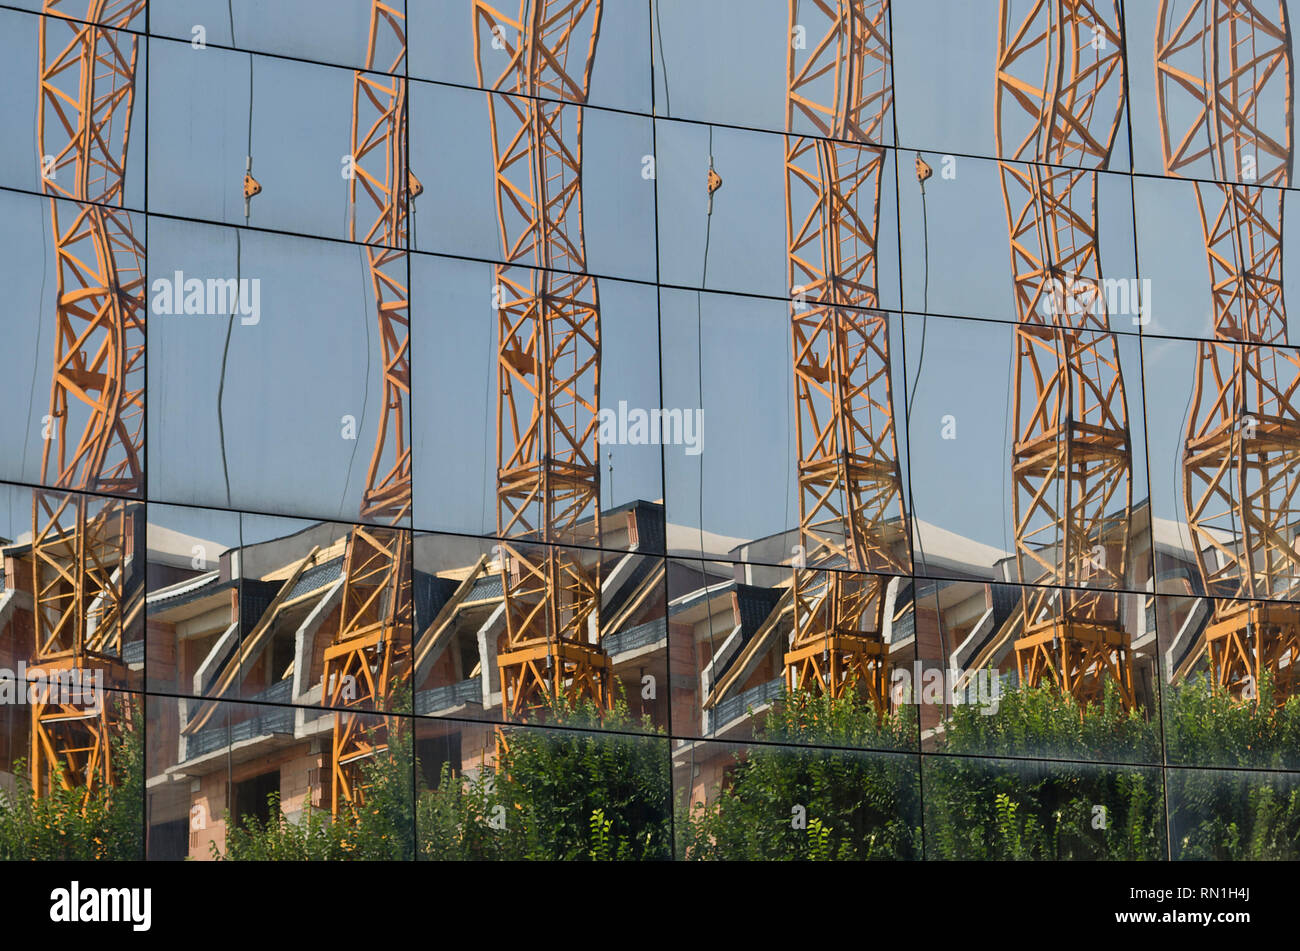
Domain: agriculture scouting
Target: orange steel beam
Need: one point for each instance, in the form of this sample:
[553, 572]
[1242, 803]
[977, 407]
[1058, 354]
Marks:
[370, 653]
[83, 121]
[1059, 96]
[536, 65]
[82, 584]
[379, 147]
[839, 94]
[1223, 87]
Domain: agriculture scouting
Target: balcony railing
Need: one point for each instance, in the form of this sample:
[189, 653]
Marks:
[634, 638]
[733, 708]
[452, 695]
[266, 721]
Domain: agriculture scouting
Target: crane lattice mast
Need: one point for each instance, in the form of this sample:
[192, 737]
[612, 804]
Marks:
[85, 561]
[1059, 98]
[839, 96]
[371, 651]
[536, 64]
[1223, 87]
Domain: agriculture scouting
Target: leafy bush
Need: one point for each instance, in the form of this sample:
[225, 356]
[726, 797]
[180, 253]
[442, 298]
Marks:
[978, 809]
[65, 824]
[1234, 815]
[1207, 727]
[567, 792]
[805, 802]
[1044, 722]
[378, 828]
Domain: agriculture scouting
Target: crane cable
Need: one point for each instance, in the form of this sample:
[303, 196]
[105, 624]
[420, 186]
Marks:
[923, 172]
[713, 183]
[239, 260]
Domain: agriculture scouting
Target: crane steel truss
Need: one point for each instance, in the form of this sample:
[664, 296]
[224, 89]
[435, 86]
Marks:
[838, 99]
[536, 66]
[84, 591]
[1223, 87]
[1059, 96]
[370, 654]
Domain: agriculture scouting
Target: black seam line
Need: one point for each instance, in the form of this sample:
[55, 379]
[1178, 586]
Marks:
[652, 23]
[470, 87]
[1146, 450]
[1115, 173]
[689, 558]
[1139, 334]
[670, 737]
[451, 84]
[144, 407]
[653, 33]
[909, 512]
[409, 223]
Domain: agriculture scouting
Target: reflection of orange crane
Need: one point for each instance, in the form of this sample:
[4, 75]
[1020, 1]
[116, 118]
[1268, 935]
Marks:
[548, 359]
[84, 592]
[1223, 72]
[1060, 89]
[838, 99]
[370, 654]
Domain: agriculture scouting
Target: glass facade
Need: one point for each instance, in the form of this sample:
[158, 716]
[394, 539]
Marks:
[686, 429]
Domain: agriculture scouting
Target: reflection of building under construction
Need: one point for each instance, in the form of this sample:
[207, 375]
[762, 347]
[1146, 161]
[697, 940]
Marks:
[73, 596]
[700, 649]
[1227, 116]
[278, 665]
[1060, 92]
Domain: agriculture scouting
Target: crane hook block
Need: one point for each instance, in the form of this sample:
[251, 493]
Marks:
[251, 186]
[413, 187]
[715, 180]
[923, 171]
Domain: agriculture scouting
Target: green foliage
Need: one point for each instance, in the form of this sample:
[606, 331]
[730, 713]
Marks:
[1043, 722]
[1205, 726]
[568, 793]
[804, 802]
[1232, 815]
[571, 791]
[976, 809]
[66, 825]
[380, 828]
[1223, 815]
[808, 718]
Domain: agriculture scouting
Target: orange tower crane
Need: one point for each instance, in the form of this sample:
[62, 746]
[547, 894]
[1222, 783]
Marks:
[536, 65]
[371, 651]
[839, 95]
[1059, 97]
[84, 590]
[1223, 87]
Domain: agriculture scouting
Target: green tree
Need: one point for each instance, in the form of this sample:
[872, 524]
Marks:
[787, 798]
[378, 827]
[568, 791]
[1044, 722]
[1222, 816]
[1208, 726]
[65, 824]
[981, 809]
